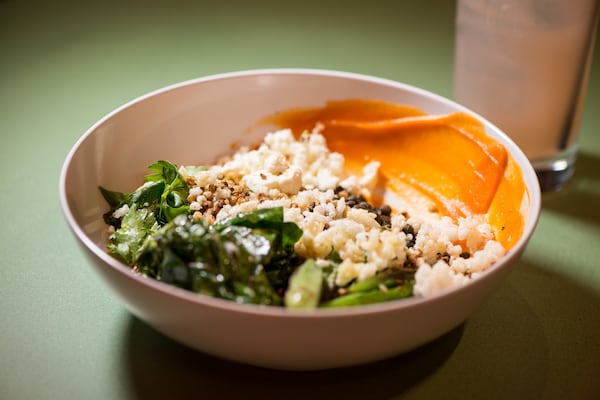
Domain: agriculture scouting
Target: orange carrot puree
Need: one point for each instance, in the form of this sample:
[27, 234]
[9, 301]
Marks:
[449, 158]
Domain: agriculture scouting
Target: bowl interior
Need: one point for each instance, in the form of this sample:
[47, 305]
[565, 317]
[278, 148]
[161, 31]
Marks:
[195, 122]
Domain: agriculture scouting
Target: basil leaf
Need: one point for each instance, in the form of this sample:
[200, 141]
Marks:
[172, 201]
[164, 193]
[113, 198]
[148, 194]
[163, 171]
[267, 220]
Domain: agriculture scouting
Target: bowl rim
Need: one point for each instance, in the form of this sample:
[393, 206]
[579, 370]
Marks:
[533, 191]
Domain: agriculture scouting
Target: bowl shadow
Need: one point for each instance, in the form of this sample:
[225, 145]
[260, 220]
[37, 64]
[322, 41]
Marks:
[159, 367]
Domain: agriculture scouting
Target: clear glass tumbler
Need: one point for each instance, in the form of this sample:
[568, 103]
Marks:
[524, 65]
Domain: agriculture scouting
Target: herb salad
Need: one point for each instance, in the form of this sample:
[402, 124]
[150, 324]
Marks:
[246, 258]
[288, 223]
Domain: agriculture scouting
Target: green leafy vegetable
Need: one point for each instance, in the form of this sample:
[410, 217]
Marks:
[127, 242]
[114, 199]
[283, 260]
[149, 194]
[175, 191]
[229, 259]
[159, 200]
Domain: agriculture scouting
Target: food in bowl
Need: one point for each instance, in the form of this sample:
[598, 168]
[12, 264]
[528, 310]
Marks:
[191, 123]
[356, 202]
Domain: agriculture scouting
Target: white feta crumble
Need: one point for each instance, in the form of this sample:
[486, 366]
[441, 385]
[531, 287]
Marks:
[121, 211]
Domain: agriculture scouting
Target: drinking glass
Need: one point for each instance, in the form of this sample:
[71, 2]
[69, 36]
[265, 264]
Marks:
[524, 65]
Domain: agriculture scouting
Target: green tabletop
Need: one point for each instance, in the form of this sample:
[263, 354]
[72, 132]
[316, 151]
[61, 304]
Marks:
[64, 336]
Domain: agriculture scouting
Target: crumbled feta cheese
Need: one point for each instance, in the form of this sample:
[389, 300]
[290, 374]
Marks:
[434, 279]
[121, 211]
[288, 182]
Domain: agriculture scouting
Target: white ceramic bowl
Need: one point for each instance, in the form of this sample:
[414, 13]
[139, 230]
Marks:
[190, 123]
